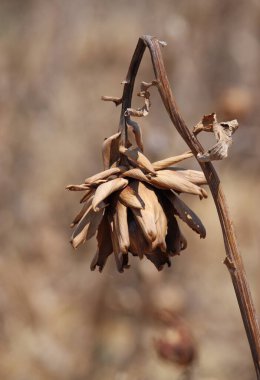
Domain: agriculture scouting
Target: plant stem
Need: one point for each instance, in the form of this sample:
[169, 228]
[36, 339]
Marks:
[233, 259]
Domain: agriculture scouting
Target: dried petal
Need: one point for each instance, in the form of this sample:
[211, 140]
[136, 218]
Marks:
[103, 175]
[121, 226]
[136, 174]
[107, 188]
[135, 156]
[105, 247]
[186, 214]
[110, 150]
[129, 196]
[169, 179]
[174, 239]
[161, 226]
[82, 187]
[159, 259]
[87, 195]
[163, 164]
[146, 217]
[137, 133]
[80, 215]
[195, 176]
[87, 227]
[120, 261]
[138, 244]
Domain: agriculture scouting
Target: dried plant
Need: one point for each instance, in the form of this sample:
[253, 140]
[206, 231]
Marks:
[133, 203]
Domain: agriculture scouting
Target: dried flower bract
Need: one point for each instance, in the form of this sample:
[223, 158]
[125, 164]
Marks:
[133, 205]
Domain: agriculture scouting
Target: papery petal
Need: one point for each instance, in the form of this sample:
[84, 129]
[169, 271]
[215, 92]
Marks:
[83, 210]
[121, 226]
[105, 247]
[110, 150]
[136, 173]
[107, 188]
[159, 259]
[195, 176]
[146, 217]
[138, 244]
[87, 226]
[103, 175]
[169, 179]
[135, 156]
[129, 196]
[163, 164]
[121, 262]
[186, 214]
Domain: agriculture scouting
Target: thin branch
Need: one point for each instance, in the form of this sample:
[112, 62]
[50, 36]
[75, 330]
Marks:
[233, 259]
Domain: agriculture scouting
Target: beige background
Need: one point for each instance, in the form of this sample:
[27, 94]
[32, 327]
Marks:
[59, 320]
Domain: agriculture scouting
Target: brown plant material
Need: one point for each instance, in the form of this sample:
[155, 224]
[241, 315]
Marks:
[144, 237]
[223, 133]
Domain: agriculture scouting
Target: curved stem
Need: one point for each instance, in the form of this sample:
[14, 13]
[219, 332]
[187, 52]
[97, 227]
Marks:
[233, 259]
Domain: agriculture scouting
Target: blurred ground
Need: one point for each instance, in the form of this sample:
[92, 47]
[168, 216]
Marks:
[58, 320]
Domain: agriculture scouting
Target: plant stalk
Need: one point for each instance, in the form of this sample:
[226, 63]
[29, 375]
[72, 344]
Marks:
[233, 258]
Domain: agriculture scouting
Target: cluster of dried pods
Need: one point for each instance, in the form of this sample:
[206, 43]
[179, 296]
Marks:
[132, 205]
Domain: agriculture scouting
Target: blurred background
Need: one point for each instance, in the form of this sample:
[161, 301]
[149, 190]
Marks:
[59, 320]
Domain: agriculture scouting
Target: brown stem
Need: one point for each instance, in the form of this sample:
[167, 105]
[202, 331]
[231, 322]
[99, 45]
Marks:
[233, 259]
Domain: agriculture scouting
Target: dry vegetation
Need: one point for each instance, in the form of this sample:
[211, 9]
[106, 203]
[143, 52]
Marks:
[58, 319]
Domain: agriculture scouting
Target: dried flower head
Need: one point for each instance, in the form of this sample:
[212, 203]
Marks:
[133, 204]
